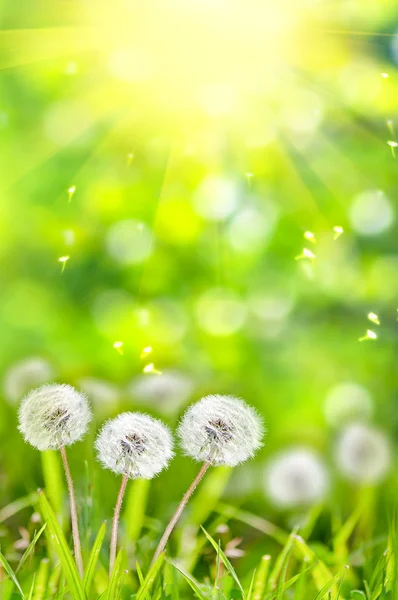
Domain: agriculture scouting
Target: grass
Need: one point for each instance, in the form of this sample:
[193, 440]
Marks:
[347, 566]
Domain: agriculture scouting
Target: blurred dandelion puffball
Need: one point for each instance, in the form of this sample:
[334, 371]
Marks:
[371, 213]
[135, 445]
[129, 242]
[24, 375]
[54, 416]
[363, 453]
[347, 402]
[168, 392]
[296, 477]
[216, 198]
[222, 430]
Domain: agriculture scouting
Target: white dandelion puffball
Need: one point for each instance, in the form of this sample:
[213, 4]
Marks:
[24, 375]
[296, 477]
[53, 416]
[363, 453]
[167, 392]
[222, 430]
[135, 444]
[347, 402]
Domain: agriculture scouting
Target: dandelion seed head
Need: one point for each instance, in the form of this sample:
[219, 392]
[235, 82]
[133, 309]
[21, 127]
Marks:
[135, 444]
[222, 430]
[24, 375]
[363, 453]
[53, 416]
[296, 477]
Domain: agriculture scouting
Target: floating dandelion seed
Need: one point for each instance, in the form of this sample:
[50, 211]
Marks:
[217, 430]
[50, 418]
[296, 477]
[306, 253]
[310, 237]
[151, 369]
[130, 158]
[145, 351]
[374, 318]
[71, 191]
[338, 231]
[370, 335]
[363, 453]
[63, 260]
[135, 446]
[384, 75]
[118, 346]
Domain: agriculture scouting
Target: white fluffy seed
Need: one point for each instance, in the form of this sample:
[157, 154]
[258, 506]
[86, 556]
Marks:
[363, 453]
[135, 444]
[296, 477]
[53, 416]
[222, 430]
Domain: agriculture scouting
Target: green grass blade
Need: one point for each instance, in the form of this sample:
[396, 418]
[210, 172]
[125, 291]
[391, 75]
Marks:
[116, 578]
[251, 586]
[30, 548]
[225, 560]
[14, 507]
[32, 587]
[320, 572]
[327, 587]
[11, 573]
[41, 579]
[280, 561]
[261, 577]
[254, 521]
[65, 556]
[139, 573]
[136, 504]
[93, 559]
[282, 576]
[53, 479]
[53, 582]
[192, 582]
[287, 584]
[149, 580]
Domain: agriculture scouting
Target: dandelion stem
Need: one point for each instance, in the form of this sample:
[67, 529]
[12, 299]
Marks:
[115, 523]
[73, 513]
[178, 512]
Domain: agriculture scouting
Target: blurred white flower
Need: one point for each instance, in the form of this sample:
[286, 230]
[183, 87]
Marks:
[251, 228]
[363, 453]
[371, 213]
[129, 242]
[220, 312]
[216, 198]
[24, 375]
[167, 392]
[99, 391]
[222, 430]
[53, 416]
[296, 477]
[347, 402]
[135, 445]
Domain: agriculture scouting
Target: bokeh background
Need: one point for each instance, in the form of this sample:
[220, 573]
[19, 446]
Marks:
[200, 197]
